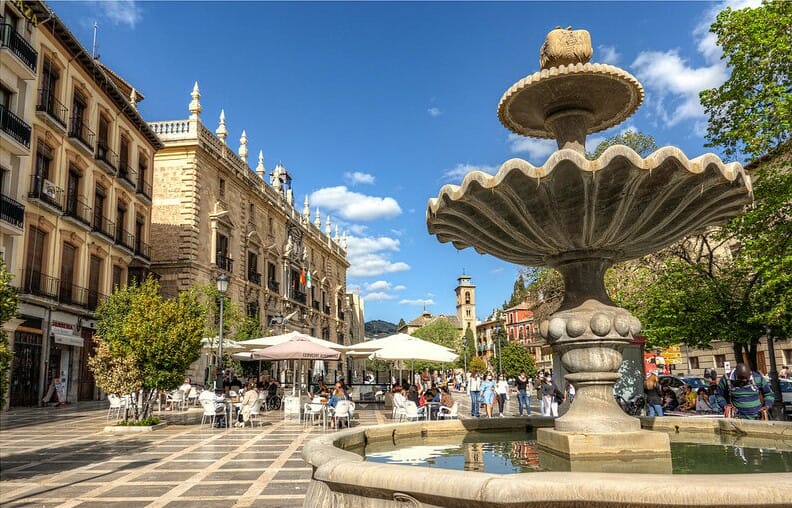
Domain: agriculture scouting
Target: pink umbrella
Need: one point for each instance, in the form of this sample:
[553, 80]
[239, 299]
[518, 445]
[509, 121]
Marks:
[296, 349]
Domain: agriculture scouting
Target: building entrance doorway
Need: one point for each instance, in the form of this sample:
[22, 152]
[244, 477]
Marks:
[25, 369]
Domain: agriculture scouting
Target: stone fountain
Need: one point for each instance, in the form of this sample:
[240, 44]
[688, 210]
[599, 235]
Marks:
[579, 217]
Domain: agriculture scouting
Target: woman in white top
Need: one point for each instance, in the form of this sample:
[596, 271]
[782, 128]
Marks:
[502, 390]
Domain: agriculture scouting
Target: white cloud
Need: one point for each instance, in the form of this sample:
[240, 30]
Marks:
[419, 302]
[357, 177]
[379, 285]
[458, 172]
[368, 257]
[353, 205]
[435, 112]
[378, 297]
[400, 287]
[538, 150]
[122, 12]
[608, 55]
[675, 83]
[497, 270]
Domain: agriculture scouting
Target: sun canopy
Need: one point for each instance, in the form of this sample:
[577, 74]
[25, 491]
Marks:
[407, 347]
[399, 339]
[274, 340]
[212, 343]
[296, 349]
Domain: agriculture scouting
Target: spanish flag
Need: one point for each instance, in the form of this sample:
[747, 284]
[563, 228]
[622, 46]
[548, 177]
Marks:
[302, 277]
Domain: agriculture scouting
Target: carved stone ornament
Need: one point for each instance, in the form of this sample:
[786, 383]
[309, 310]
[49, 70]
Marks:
[564, 46]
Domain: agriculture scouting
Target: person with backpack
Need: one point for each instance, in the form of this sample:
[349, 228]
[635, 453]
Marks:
[747, 393]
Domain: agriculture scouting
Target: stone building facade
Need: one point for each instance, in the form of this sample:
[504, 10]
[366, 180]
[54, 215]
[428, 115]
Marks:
[76, 192]
[213, 214]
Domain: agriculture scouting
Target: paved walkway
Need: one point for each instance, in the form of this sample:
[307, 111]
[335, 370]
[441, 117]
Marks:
[62, 457]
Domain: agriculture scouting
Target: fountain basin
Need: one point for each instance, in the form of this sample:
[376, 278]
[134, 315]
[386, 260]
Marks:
[343, 478]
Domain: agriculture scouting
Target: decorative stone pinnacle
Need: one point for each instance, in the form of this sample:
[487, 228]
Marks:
[195, 104]
[564, 46]
[344, 241]
[336, 237]
[260, 170]
[290, 197]
[275, 177]
[133, 98]
[306, 210]
[243, 149]
[222, 132]
[328, 230]
[318, 220]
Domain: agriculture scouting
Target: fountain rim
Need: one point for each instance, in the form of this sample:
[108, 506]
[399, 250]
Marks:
[342, 471]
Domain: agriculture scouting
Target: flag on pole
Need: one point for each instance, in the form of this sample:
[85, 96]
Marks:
[302, 277]
[308, 278]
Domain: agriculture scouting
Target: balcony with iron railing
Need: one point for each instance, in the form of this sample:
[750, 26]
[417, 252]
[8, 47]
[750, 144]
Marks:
[11, 211]
[104, 226]
[315, 305]
[36, 283]
[106, 156]
[15, 128]
[143, 188]
[94, 299]
[224, 263]
[298, 296]
[125, 239]
[72, 294]
[273, 285]
[327, 309]
[14, 41]
[127, 174]
[254, 277]
[142, 249]
[46, 192]
[52, 107]
[79, 131]
[78, 209]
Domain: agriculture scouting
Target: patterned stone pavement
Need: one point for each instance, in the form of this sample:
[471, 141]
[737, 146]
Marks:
[62, 457]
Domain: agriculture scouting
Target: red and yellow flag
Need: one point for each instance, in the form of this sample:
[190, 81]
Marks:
[302, 277]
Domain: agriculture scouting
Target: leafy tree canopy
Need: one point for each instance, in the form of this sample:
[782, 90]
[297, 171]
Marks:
[477, 365]
[440, 331]
[147, 341]
[751, 112]
[643, 144]
[515, 358]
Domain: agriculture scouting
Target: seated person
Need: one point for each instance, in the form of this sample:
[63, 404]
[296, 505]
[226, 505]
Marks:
[207, 395]
[669, 399]
[717, 403]
[398, 397]
[702, 400]
[687, 399]
[246, 405]
[322, 390]
[412, 395]
[338, 394]
[445, 399]
[185, 389]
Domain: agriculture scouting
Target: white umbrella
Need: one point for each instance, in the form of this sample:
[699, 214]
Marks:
[298, 348]
[274, 340]
[427, 352]
[399, 339]
[212, 343]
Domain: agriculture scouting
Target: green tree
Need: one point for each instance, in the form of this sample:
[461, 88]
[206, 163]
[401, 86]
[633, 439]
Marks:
[146, 343]
[470, 346]
[401, 324]
[515, 358]
[8, 309]
[442, 332]
[518, 293]
[248, 328]
[751, 113]
[643, 144]
[477, 365]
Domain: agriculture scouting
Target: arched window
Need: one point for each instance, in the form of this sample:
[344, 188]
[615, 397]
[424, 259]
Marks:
[467, 297]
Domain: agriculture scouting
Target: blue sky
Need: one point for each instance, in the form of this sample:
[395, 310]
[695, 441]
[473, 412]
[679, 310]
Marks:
[372, 107]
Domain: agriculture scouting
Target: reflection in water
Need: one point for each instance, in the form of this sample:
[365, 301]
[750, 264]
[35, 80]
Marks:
[507, 453]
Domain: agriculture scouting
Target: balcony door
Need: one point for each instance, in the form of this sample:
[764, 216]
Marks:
[34, 262]
[49, 84]
[72, 192]
[94, 271]
[68, 294]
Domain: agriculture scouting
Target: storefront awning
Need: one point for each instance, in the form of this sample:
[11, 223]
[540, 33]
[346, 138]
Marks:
[68, 340]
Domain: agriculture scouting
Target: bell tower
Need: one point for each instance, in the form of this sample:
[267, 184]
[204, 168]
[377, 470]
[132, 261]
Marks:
[466, 303]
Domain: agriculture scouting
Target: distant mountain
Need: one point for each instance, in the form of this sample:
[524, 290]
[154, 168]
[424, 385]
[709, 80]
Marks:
[376, 329]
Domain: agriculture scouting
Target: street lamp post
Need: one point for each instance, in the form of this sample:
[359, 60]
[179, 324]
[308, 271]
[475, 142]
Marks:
[498, 335]
[222, 287]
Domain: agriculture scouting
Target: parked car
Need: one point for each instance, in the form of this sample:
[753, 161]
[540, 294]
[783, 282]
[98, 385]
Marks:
[786, 395]
[676, 383]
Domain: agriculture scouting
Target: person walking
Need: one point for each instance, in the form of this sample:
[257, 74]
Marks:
[548, 398]
[744, 390]
[488, 394]
[523, 396]
[502, 391]
[474, 389]
[654, 397]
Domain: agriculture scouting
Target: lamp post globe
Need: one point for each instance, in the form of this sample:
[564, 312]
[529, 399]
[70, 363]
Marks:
[222, 287]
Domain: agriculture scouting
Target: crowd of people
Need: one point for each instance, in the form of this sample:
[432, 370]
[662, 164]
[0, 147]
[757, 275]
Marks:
[740, 393]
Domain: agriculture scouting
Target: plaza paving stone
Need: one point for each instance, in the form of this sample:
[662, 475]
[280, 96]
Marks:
[62, 457]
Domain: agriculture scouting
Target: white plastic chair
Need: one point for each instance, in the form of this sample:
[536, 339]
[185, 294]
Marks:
[211, 412]
[192, 396]
[311, 411]
[448, 412]
[116, 405]
[176, 400]
[342, 412]
[412, 412]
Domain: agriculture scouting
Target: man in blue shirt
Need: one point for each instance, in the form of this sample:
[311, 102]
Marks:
[743, 390]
